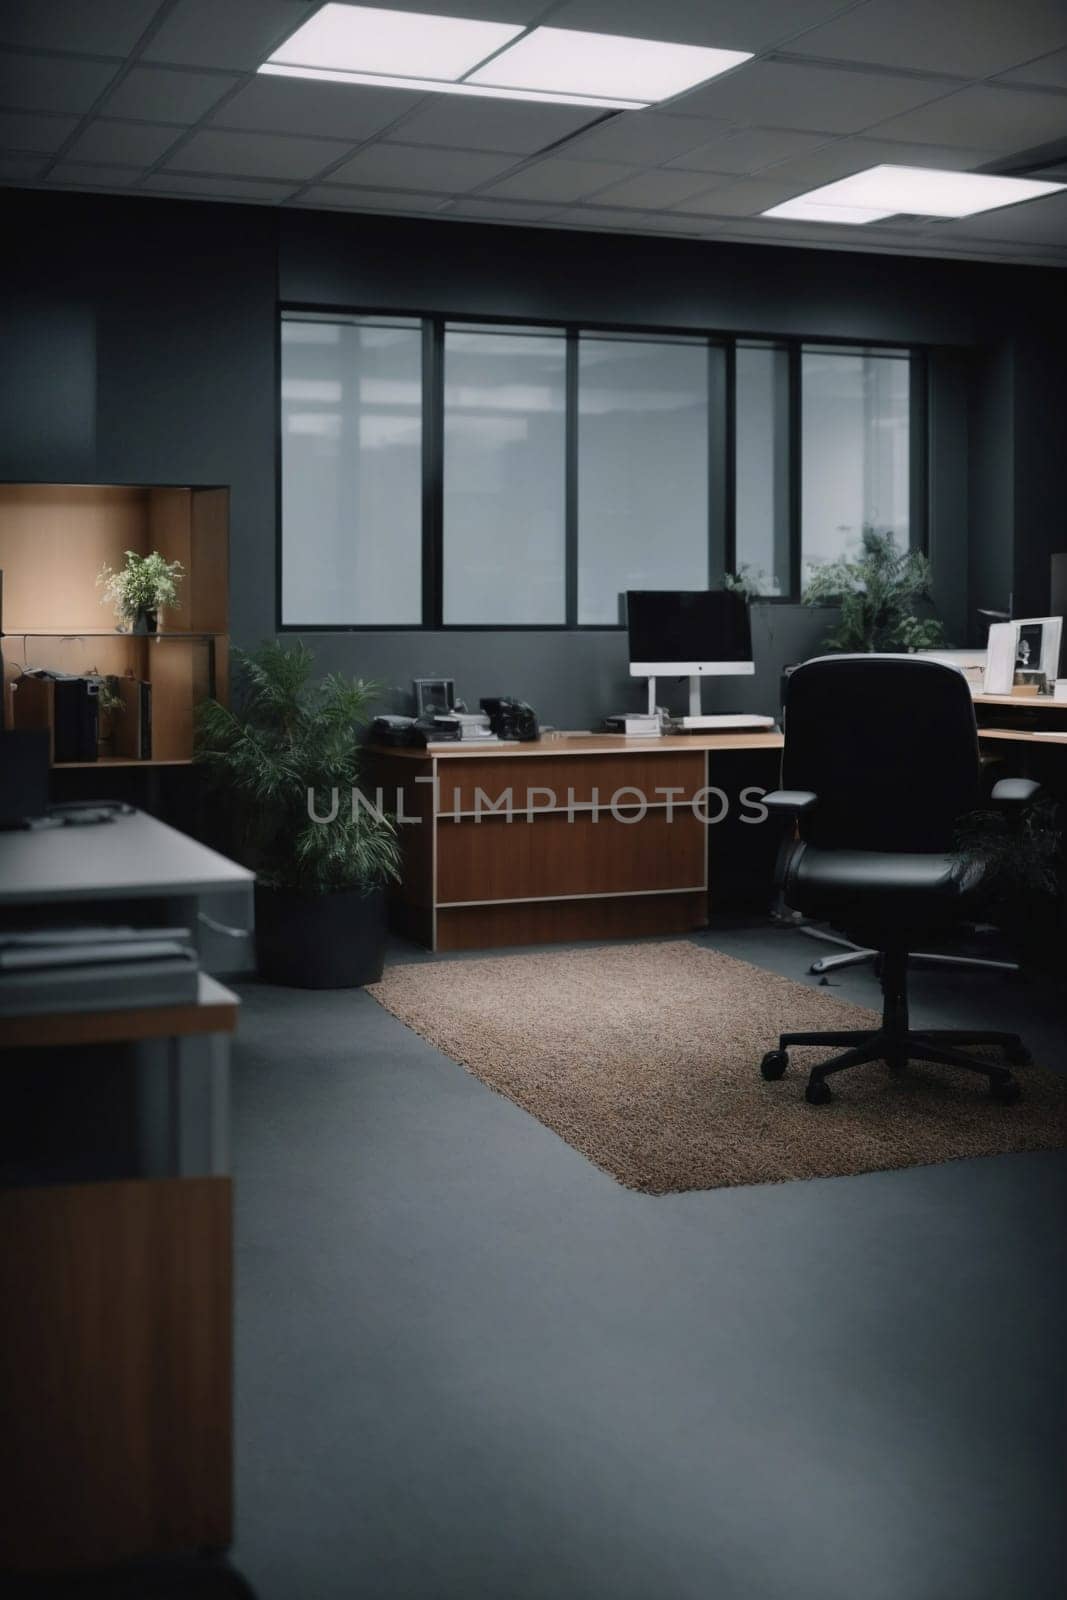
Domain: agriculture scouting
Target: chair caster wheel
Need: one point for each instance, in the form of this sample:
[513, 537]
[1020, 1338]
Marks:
[774, 1064]
[1018, 1055]
[818, 1093]
[1007, 1091]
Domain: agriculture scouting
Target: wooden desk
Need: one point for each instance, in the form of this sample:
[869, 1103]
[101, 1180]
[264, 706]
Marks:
[572, 836]
[116, 1342]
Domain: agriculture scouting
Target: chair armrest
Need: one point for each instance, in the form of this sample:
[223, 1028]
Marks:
[1011, 794]
[791, 802]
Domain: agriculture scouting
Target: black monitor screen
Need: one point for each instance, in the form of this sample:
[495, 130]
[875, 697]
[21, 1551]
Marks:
[688, 625]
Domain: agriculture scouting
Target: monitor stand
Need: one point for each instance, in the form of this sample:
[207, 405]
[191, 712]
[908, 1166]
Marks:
[722, 722]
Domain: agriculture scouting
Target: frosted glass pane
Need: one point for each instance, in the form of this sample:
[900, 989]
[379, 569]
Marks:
[855, 430]
[762, 469]
[504, 477]
[642, 471]
[351, 473]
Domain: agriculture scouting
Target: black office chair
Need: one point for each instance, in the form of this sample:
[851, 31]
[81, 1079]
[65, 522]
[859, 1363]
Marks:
[880, 760]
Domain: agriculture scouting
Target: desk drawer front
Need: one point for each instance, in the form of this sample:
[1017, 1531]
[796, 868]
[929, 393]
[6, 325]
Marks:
[552, 857]
[462, 778]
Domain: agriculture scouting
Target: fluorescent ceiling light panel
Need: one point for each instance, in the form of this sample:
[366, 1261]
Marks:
[807, 210]
[410, 44]
[438, 86]
[916, 191]
[566, 61]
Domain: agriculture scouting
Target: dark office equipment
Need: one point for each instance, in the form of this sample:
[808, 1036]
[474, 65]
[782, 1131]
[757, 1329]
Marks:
[880, 761]
[23, 776]
[511, 719]
[434, 697]
[393, 730]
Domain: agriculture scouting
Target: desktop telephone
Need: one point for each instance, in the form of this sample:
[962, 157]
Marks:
[511, 719]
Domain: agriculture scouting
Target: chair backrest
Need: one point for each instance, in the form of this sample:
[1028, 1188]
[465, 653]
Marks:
[889, 744]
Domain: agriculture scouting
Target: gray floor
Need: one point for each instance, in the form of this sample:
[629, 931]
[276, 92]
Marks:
[471, 1365]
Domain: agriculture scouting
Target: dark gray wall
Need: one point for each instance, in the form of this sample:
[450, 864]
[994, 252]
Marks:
[138, 343]
[992, 476]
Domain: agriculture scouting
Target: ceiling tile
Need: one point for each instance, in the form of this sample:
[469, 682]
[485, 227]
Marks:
[28, 130]
[416, 167]
[747, 149]
[754, 25]
[786, 95]
[474, 208]
[553, 179]
[984, 116]
[347, 198]
[101, 28]
[655, 189]
[215, 188]
[256, 155]
[72, 175]
[846, 156]
[1050, 71]
[745, 199]
[237, 34]
[304, 106]
[514, 126]
[132, 144]
[967, 38]
[643, 138]
[165, 94]
[21, 168]
[50, 83]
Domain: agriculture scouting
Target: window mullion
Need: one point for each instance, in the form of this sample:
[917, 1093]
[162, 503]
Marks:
[433, 461]
[571, 481]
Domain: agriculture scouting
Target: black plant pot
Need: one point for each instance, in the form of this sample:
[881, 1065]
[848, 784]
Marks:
[146, 622]
[320, 941]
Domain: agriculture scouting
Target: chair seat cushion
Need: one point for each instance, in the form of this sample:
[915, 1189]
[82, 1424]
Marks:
[893, 891]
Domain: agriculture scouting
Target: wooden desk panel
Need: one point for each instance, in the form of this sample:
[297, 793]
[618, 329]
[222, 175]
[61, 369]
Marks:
[584, 776]
[554, 858]
[562, 921]
[115, 1371]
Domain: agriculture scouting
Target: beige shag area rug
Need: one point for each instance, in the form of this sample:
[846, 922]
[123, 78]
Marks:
[646, 1059]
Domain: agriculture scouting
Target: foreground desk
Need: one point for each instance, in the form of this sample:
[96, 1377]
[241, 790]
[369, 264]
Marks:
[572, 836]
[115, 1234]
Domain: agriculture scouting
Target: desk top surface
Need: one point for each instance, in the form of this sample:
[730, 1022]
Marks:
[134, 857]
[1022, 702]
[590, 744]
[1025, 735]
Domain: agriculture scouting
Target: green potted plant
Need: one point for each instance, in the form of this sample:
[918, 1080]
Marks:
[288, 755]
[143, 588]
[109, 705]
[879, 595]
[1023, 882]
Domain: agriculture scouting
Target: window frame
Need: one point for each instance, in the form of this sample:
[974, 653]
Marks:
[722, 443]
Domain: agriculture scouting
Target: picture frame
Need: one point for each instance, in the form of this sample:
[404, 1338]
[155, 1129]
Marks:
[1027, 644]
[1038, 639]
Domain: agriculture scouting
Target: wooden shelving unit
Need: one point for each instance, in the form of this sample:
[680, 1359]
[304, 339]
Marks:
[54, 539]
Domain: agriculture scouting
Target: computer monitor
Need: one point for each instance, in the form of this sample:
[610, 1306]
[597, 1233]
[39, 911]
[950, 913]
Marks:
[688, 633]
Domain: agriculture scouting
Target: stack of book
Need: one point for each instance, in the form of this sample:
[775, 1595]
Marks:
[468, 727]
[96, 969]
[635, 724]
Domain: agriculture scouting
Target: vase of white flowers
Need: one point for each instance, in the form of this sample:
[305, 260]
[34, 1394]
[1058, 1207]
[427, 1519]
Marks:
[144, 587]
